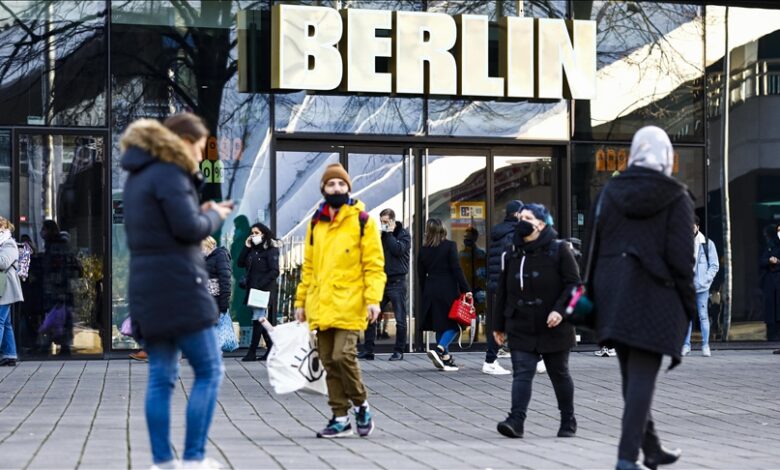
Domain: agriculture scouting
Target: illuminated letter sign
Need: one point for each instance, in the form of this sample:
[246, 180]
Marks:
[318, 48]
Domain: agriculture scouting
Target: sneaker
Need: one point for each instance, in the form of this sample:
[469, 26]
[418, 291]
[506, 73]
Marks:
[397, 356]
[364, 422]
[449, 365]
[206, 464]
[503, 352]
[140, 356]
[436, 356]
[494, 369]
[336, 428]
[705, 351]
[605, 352]
[169, 465]
[366, 356]
[540, 367]
[510, 428]
[8, 362]
[611, 352]
[686, 350]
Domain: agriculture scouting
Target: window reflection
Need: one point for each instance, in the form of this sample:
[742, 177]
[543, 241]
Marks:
[61, 216]
[5, 174]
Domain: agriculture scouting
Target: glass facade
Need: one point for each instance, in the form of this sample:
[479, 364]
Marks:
[74, 75]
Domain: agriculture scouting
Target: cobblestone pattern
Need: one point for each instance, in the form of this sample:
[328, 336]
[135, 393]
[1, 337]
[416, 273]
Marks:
[723, 411]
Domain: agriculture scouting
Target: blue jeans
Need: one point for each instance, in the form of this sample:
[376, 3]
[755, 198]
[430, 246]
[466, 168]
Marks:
[7, 340]
[702, 299]
[204, 356]
[444, 339]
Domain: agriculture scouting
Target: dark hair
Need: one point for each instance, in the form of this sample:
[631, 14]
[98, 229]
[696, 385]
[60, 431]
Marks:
[188, 126]
[540, 212]
[696, 220]
[387, 213]
[435, 233]
[268, 235]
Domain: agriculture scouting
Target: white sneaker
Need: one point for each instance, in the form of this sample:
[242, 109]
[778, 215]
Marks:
[494, 369]
[503, 352]
[686, 350]
[540, 367]
[705, 351]
[447, 368]
[172, 464]
[205, 464]
[611, 352]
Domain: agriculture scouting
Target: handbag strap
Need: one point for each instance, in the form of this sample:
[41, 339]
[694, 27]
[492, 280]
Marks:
[592, 237]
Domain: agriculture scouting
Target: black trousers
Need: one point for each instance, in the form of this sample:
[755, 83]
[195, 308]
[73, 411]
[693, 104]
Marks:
[639, 370]
[523, 371]
[395, 292]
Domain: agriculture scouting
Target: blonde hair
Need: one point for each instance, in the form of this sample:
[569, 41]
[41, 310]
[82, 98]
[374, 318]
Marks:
[208, 243]
[435, 233]
[6, 224]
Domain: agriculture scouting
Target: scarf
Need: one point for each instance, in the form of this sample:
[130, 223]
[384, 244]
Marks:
[5, 235]
[652, 149]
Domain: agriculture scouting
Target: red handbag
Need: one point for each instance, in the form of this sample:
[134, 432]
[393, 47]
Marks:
[463, 311]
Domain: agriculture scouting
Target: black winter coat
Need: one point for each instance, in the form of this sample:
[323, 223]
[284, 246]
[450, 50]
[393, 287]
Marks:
[549, 272]
[396, 245]
[643, 275]
[500, 241]
[218, 267]
[441, 283]
[262, 270]
[167, 289]
[770, 280]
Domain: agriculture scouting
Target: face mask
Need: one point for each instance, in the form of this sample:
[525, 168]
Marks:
[336, 200]
[257, 239]
[524, 228]
[778, 235]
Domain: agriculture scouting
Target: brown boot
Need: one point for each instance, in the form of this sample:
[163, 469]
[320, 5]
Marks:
[140, 356]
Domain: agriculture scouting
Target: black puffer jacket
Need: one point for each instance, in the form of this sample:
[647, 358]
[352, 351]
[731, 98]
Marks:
[218, 267]
[396, 245]
[167, 289]
[500, 241]
[262, 270]
[643, 274]
[548, 271]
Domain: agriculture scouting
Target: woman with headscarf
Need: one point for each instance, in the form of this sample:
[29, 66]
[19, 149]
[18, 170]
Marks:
[643, 284]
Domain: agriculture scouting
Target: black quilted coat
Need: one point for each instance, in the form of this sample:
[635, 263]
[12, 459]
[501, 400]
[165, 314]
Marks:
[643, 277]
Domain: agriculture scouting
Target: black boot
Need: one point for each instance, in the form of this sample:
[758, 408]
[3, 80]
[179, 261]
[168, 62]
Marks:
[268, 343]
[511, 427]
[655, 453]
[251, 353]
[568, 425]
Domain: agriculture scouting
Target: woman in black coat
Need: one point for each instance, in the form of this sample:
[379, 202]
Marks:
[260, 258]
[170, 307]
[441, 283]
[533, 291]
[643, 283]
[218, 267]
[770, 282]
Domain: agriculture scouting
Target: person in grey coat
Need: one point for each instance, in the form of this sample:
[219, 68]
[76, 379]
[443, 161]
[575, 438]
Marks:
[643, 284]
[10, 292]
[704, 272]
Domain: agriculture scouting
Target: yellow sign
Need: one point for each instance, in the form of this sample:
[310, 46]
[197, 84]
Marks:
[320, 48]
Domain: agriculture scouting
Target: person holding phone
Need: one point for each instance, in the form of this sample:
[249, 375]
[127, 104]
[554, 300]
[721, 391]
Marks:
[260, 259]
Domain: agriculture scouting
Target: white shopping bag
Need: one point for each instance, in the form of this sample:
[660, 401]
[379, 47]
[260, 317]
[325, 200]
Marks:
[294, 363]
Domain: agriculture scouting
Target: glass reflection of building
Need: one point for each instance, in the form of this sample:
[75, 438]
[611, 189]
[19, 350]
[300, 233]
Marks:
[74, 74]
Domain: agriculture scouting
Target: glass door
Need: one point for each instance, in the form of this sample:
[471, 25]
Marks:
[61, 216]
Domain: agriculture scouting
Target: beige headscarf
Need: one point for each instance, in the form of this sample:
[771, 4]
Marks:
[651, 148]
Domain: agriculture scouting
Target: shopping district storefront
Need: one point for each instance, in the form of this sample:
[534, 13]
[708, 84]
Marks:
[438, 108]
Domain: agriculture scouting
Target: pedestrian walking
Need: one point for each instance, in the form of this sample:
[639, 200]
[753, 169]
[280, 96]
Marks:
[500, 241]
[533, 291]
[260, 259]
[396, 245]
[770, 282]
[705, 269]
[441, 283]
[170, 306]
[218, 269]
[10, 291]
[342, 281]
[643, 284]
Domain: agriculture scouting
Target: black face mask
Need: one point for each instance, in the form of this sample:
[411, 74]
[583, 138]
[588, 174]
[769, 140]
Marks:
[524, 228]
[336, 200]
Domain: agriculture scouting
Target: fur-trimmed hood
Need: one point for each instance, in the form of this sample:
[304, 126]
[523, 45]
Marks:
[156, 142]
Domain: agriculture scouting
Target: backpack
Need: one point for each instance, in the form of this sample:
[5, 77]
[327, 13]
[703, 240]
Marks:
[362, 220]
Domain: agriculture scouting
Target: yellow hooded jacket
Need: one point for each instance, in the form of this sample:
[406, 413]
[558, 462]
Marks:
[343, 273]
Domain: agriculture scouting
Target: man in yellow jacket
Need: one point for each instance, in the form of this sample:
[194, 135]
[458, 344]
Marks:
[342, 282]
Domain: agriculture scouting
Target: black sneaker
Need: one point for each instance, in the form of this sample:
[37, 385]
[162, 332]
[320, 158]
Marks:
[510, 428]
[437, 357]
[397, 356]
[364, 422]
[336, 429]
[568, 426]
[366, 356]
[449, 364]
[8, 362]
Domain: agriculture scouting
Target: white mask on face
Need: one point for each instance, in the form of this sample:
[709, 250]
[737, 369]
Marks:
[778, 235]
[257, 239]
